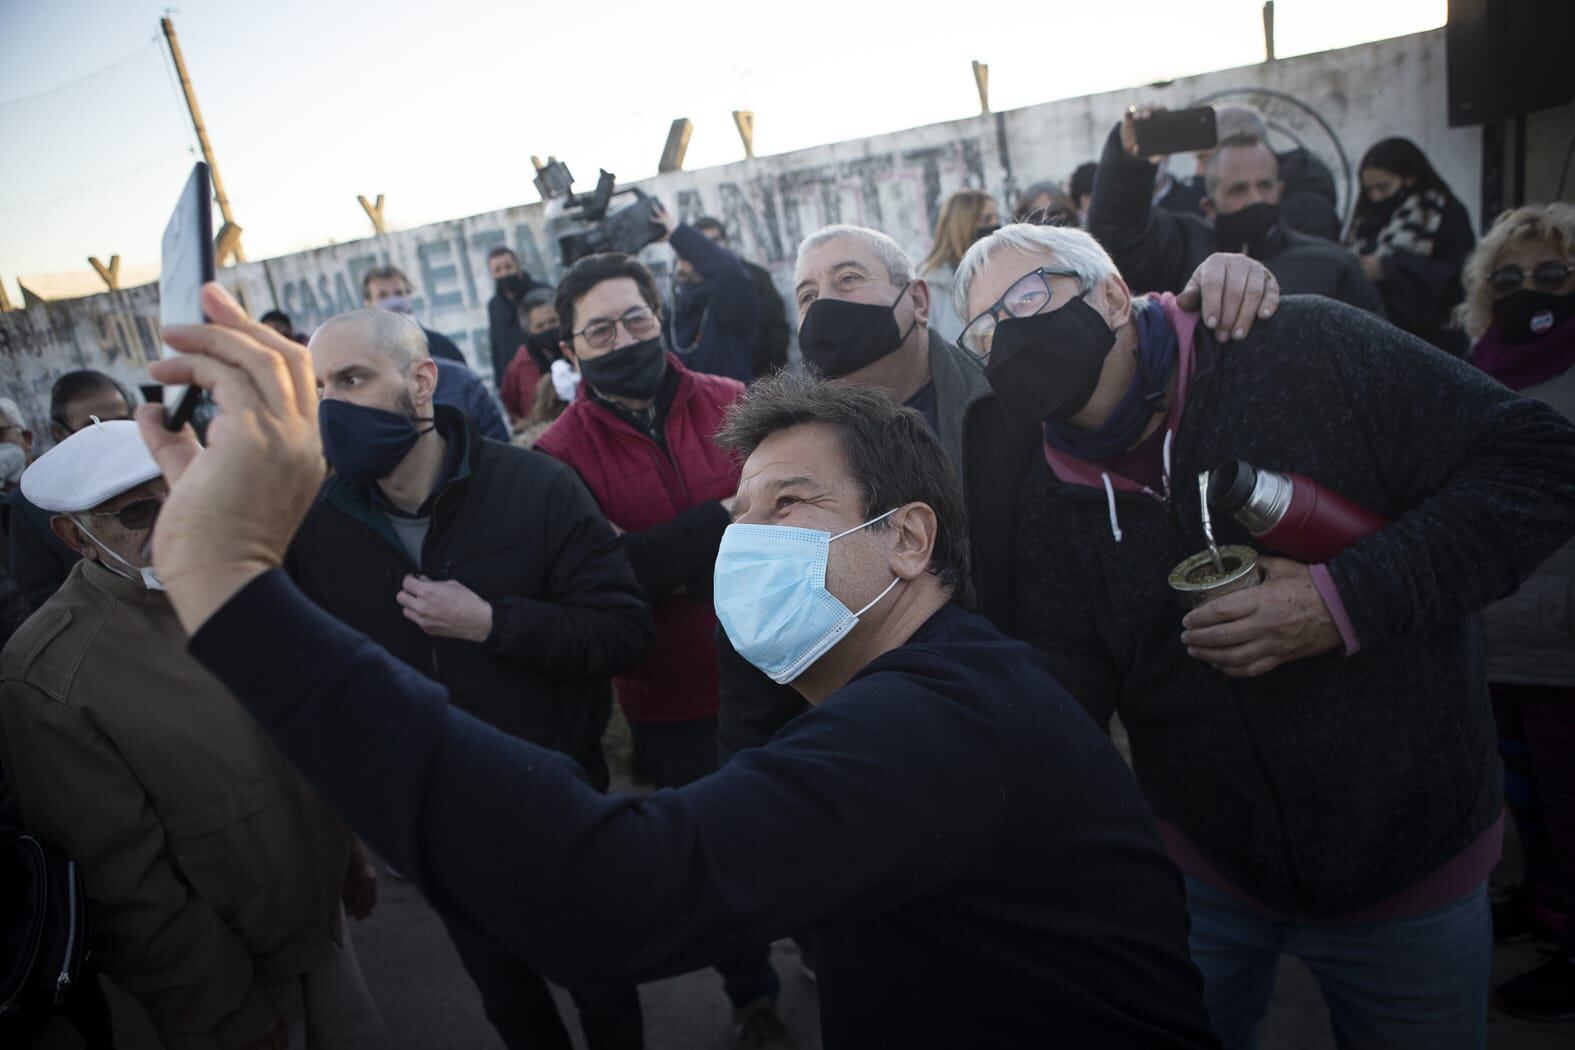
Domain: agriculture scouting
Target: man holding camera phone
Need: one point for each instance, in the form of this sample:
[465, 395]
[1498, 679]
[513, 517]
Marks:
[1157, 250]
[712, 326]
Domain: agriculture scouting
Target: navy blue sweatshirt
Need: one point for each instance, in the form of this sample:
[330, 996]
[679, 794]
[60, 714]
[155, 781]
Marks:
[713, 325]
[979, 862]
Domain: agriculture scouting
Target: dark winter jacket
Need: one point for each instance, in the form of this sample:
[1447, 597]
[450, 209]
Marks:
[505, 333]
[520, 531]
[1333, 782]
[975, 858]
[1157, 250]
[712, 326]
[771, 324]
[1420, 292]
[460, 388]
[39, 560]
[443, 348]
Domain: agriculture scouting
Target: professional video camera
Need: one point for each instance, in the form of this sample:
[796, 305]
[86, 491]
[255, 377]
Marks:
[583, 226]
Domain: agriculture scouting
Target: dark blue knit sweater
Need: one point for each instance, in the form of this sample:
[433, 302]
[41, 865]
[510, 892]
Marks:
[973, 851]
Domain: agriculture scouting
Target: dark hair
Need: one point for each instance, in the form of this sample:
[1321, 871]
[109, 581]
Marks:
[1061, 211]
[1082, 181]
[593, 270]
[534, 299]
[382, 273]
[77, 384]
[891, 453]
[1405, 159]
[705, 222]
[278, 315]
[502, 249]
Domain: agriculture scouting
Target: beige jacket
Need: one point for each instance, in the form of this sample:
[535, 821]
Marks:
[211, 868]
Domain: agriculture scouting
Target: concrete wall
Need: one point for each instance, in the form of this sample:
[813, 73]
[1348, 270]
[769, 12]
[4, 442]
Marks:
[895, 182]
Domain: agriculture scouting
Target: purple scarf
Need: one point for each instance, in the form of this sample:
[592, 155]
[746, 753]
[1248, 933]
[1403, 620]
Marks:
[1518, 366]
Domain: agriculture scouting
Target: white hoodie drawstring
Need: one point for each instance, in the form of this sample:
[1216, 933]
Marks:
[1110, 498]
[1168, 435]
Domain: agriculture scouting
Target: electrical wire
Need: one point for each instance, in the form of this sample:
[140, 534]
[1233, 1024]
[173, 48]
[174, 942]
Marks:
[122, 60]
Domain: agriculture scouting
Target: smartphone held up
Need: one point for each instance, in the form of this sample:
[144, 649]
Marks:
[186, 264]
[1176, 131]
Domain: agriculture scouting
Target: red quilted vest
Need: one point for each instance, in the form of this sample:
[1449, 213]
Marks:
[638, 485]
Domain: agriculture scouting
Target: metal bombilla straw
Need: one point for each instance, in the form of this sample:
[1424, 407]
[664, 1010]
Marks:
[1208, 525]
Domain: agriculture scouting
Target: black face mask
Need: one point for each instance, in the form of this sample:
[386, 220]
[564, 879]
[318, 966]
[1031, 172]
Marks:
[981, 232]
[1253, 229]
[839, 337]
[544, 345]
[633, 371]
[1046, 367]
[513, 286]
[1529, 314]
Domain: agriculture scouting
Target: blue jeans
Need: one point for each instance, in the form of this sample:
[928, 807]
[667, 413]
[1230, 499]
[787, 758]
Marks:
[1405, 983]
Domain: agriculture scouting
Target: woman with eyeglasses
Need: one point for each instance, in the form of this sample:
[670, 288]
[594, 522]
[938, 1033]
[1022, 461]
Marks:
[1411, 235]
[1520, 310]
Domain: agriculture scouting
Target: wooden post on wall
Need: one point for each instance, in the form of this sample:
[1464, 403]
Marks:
[744, 120]
[373, 212]
[110, 273]
[677, 145]
[981, 80]
[5, 299]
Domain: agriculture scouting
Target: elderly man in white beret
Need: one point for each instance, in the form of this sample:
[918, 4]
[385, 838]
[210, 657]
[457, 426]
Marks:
[219, 881]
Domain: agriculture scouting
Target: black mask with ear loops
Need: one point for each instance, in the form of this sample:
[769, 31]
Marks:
[1046, 367]
[839, 337]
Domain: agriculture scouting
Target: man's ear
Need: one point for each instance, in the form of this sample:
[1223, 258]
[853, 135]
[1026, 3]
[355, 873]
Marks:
[920, 290]
[567, 349]
[66, 532]
[917, 528]
[425, 374]
[1115, 301]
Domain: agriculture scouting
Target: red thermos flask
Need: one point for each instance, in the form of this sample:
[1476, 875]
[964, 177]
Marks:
[1289, 513]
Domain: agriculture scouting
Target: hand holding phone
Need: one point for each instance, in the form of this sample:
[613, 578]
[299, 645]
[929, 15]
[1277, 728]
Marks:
[186, 264]
[1151, 131]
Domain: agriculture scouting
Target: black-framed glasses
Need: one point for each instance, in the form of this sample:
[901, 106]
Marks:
[640, 322]
[1546, 277]
[1028, 295]
[134, 516]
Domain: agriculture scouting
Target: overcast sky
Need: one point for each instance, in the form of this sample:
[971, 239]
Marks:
[439, 105]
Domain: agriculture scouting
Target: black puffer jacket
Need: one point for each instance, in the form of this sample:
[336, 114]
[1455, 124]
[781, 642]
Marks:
[518, 529]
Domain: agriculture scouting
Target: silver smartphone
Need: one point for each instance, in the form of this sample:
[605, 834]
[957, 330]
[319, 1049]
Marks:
[186, 264]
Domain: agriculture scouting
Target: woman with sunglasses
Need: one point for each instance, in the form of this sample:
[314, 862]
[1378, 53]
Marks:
[1411, 236]
[1520, 309]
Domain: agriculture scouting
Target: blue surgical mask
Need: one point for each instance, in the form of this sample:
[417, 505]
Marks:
[772, 600]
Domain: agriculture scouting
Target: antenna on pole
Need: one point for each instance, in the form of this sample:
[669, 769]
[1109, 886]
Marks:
[229, 238]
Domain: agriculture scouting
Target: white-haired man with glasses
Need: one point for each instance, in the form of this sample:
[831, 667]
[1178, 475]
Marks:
[1318, 748]
[640, 434]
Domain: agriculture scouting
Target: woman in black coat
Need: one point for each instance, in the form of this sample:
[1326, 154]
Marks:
[1412, 236]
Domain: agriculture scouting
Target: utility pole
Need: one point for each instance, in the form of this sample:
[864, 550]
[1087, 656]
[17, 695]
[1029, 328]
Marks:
[230, 235]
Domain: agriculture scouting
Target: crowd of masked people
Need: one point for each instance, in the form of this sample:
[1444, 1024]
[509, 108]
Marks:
[1325, 760]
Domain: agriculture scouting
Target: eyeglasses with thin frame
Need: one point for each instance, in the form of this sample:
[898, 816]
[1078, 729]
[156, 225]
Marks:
[1028, 295]
[134, 516]
[639, 321]
[1546, 277]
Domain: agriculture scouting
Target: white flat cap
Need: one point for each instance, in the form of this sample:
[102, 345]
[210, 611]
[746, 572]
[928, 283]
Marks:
[95, 464]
